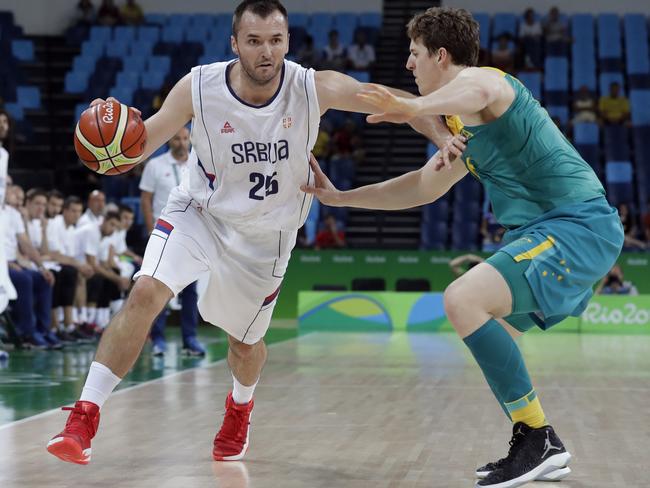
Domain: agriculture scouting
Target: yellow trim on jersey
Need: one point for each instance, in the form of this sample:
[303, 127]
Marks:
[537, 250]
[472, 169]
[454, 124]
[502, 73]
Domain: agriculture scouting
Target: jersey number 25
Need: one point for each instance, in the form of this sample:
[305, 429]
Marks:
[261, 181]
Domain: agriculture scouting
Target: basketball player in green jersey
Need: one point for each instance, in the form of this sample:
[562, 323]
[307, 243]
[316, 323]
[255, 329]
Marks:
[562, 235]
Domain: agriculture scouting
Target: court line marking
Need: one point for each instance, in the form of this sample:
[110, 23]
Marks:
[139, 385]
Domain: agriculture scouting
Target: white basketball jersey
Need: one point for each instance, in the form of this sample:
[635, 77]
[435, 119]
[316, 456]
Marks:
[252, 160]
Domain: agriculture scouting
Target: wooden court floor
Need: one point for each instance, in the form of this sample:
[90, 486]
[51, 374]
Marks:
[359, 410]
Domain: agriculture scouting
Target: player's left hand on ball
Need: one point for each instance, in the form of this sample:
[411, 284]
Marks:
[394, 109]
[448, 153]
[322, 188]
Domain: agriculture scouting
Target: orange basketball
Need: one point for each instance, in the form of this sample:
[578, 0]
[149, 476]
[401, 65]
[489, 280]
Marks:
[110, 138]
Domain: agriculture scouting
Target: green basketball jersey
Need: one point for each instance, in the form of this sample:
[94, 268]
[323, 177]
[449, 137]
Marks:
[524, 162]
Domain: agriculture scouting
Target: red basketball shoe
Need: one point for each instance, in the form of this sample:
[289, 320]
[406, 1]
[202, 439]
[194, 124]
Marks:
[231, 442]
[73, 444]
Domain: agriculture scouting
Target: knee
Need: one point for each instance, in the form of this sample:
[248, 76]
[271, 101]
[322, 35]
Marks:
[149, 294]
[455, 303]
[243, 351]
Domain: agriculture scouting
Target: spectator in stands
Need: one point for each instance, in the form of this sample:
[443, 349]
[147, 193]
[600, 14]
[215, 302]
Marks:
[584, 107]
[6, 137]
[131, 13]
[85, 13]
[614, 284]
[308, 56]
[555, 30]
[646, 223]
[62, 245]
[503, 56]
[16, 197]
[334, 54]
[530, 37]
[108, 14]
[55, 201]
[629, 226]
[125, 259]
[361, 55]
[342, 139]
[615, 108]
[331, 236]
[94, 214]
[462, 264]
[36, 222]
[33, 284]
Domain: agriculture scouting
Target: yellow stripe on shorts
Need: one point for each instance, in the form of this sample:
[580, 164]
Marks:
[536, 251]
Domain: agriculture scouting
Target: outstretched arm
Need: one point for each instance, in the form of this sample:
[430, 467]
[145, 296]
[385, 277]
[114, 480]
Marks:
[473, 90]
[409, 190]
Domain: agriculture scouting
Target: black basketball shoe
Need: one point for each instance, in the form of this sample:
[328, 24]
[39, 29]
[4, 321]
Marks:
[535, 454]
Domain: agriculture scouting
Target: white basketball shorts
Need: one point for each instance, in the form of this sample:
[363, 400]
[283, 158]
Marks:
[244, 265]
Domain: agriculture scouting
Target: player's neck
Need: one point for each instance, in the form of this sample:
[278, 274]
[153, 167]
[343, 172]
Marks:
[249, 91]
[451, 73]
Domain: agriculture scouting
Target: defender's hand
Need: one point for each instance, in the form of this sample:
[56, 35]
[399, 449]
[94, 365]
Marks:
[394, 109]
[322, 188]
[98, 101]
[448, 153]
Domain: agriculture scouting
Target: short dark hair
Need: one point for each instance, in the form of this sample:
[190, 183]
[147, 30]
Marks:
[111, 215]
[55, 194]
[452, 28]
[35, 192]
[261, 8]
[125, 209]
[72, 200]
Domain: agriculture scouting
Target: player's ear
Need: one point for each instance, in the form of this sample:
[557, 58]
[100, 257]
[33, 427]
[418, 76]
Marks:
[441, 55]
[233, 45]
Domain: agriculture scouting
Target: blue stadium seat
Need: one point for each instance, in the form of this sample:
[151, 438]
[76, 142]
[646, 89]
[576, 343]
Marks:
[122, 93]
[224, 23]
[134, 63]
[22, 50]
[210, 58]
[202, 21]
[142, 48]
[617, 147]
[483, 20]
[636, 44]
[173, 34]
[117, 49]
[583, 53]
[640, 106]
[586, 133]
[179, 20]
[434, 235]
[504, 23]
[15, 110]
[609, 37]
[431, 149]
[464, 236]
[607, 79]
[100, 34]
[198, 34]
[148, 33]
[532, 81]
[76, 82]
[324, 20]
[159, 63]
[591, 154]
[29, 96]
[619, 182]
[153, 18]
[370, 19]
[84, 63]
[559, 111]
[216, 48]
[298, 19]
[128, 79]
[556, 74]
[361, 76]
[345, 24]
[153, 80]
[92, 49]
[467, 190]
[124, 33]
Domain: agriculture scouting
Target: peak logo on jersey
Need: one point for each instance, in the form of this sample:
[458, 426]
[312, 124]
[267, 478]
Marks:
[260, 152]
[227, 128]
[286, 122]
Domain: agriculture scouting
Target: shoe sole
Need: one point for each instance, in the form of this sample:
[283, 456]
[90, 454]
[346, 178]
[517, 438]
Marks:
[557, 475]
[553, 463]
[68, 450]
[236, 457]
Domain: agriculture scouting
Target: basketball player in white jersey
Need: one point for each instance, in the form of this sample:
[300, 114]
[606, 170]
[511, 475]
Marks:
[234, 216]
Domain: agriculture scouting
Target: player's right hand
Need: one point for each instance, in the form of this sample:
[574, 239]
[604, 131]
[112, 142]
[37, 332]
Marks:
[99, 101]
[322, 188]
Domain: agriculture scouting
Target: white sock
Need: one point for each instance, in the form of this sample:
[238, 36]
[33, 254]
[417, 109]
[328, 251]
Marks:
[91, 315]
[99, 384]
[83, 315]
[75, 315]
[242, 394]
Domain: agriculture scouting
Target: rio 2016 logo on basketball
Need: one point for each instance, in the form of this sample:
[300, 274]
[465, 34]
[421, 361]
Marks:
[108, 116]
